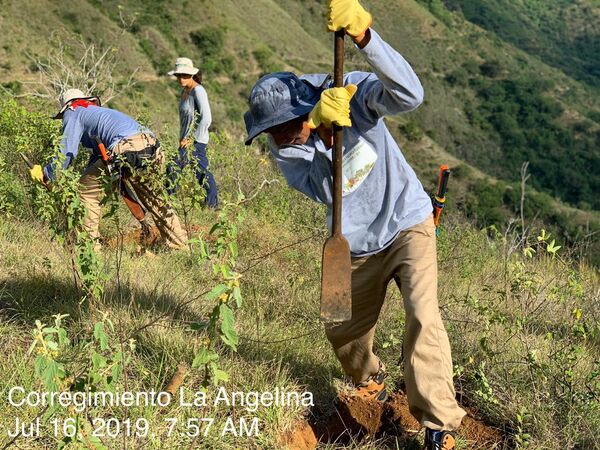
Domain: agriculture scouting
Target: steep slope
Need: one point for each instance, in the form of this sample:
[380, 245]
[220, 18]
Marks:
[564, 34]
[487, 103]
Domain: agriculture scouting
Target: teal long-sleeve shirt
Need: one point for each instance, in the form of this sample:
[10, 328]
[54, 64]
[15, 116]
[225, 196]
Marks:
[382, 195]
[81, 125]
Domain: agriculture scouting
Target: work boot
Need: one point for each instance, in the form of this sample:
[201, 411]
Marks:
[373, 388]
[440, 440]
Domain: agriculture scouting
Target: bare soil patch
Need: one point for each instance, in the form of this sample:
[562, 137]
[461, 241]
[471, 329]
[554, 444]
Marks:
[355, 419]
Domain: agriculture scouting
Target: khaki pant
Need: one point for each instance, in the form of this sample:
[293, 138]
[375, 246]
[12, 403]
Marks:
[412, 262]
[164, 216]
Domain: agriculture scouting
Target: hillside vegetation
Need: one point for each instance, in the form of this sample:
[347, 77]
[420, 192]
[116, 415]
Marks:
[239, 307]
[563, 33]
[487, 103]
[524, 325]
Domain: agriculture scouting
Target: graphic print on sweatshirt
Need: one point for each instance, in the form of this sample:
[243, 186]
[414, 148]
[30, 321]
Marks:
[357, 165]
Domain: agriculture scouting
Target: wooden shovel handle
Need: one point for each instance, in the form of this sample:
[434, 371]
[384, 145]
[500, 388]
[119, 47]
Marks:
[338, 136]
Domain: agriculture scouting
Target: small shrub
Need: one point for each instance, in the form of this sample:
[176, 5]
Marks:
[490, 69]
[210, 41]
[412, 131]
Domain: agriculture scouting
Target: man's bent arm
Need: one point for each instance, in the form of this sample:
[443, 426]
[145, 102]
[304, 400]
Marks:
[69, 146]
[395, 88]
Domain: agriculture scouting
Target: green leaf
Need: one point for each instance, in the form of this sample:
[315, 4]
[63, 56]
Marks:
[51, 372]
[101, 336]
[116, 371]
[220, 375]
[237, 295]
[98, 361]
[225, 271]
[528, 252]
[552, 248]
[218, 290]
[229, 335]
[62, 337]
[40, 365]
[203, 357]
[52, 345]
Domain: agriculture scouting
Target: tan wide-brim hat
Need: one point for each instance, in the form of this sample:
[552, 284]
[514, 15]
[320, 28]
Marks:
[184, 66]
[68, 96]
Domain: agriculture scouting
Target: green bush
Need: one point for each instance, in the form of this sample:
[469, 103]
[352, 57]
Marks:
[412, 131]
[527, 122]
[490, 69]
[458, 77]
[32, 133]
[210, 41]
[264, 59]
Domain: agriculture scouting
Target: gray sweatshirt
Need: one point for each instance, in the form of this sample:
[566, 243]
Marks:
[195, 107]
[381, 193]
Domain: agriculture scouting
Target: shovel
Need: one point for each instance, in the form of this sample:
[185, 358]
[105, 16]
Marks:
[336, 287]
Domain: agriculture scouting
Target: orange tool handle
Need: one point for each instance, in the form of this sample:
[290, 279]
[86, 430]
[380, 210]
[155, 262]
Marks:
[440, 196]
[103, 152]
[102, 148]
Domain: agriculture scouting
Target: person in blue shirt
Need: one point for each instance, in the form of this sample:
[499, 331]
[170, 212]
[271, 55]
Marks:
[386, 213]
[86, 123]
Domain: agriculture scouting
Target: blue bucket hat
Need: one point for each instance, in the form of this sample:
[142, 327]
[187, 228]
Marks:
[275, 99]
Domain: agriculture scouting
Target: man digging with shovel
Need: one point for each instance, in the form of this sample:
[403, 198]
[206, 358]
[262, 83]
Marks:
[386, 216]
[115, 140]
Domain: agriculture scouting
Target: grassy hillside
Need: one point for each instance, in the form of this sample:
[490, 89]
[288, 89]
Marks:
[487, 103]
[522, 316]
[524, 329]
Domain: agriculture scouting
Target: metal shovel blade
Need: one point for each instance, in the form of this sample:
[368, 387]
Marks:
[336, 292]
[336, 270]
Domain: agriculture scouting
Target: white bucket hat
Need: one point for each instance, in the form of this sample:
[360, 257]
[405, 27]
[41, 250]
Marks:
[65, 99]
[184, 66]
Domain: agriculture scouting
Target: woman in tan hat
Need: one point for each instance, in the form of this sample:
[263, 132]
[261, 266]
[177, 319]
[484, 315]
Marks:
[194, 114]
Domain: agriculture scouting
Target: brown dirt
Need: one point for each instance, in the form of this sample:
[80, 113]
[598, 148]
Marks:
[136, 237]
[150, 239]
[355, 419]
[303, 437]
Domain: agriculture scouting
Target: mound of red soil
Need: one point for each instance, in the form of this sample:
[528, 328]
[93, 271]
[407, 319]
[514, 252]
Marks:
[355, 419]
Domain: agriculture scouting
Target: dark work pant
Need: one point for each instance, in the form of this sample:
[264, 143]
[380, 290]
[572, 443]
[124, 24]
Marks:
[203, 175]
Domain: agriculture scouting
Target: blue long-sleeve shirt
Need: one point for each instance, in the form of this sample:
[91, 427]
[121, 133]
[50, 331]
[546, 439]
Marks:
[195, 109]
[81, 125]
[382, 195]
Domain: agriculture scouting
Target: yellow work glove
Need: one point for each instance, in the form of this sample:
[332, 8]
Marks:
[333, 107]
[348, 15]
[37, 174]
